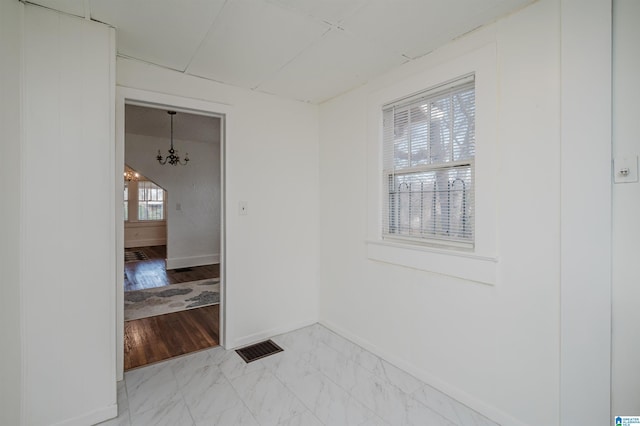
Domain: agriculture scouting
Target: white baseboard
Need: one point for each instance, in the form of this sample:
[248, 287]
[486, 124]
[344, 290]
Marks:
[187, 262]
[266, 334]
[470, 401]
[145, 243]
[92, 418]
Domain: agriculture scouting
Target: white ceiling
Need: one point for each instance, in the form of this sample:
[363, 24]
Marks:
[309, 50]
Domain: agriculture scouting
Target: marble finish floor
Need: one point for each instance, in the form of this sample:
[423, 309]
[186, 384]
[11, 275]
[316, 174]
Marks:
[319, 379]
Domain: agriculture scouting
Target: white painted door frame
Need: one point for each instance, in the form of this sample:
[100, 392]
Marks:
[124, 96]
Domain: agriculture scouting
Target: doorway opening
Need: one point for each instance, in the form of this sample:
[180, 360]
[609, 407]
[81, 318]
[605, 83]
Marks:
[171, 231]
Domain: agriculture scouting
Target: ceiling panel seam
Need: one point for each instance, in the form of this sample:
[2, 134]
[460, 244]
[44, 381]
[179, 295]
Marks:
[205, 37]
[310, 45]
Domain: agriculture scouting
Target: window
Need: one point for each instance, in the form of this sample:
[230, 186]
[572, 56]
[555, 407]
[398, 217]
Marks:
[455, 235]
[126, 201]
[144, 197]
[150, 201]
[428, 165]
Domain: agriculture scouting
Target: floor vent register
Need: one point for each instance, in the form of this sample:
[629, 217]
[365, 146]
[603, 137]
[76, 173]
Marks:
[258, 351]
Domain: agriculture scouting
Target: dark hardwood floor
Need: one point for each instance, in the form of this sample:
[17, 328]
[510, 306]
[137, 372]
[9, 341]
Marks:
[151, 273]
[154, 339]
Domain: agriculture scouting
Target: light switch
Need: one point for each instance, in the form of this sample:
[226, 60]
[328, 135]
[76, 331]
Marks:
[242, 208]
[625, 169]
[178, 206]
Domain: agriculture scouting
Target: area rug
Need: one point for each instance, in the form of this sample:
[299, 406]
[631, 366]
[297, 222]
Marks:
[134, 255]
[171, 298]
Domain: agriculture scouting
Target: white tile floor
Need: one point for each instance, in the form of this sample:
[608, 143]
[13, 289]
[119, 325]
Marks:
[319, 379]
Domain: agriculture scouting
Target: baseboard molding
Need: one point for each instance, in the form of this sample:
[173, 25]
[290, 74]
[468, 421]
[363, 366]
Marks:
[92, 418]
[187, 262]
[145, 243]
[266, 334]
[470, 401]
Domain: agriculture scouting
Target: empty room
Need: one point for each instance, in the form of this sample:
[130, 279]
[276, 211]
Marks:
[354, 212]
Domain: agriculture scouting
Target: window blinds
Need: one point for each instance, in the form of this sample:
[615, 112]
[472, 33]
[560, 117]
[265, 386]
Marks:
[150, 201]
[428, 159]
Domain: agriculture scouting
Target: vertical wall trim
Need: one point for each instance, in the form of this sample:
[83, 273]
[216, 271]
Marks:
[585, 293]
[119, 232]
[222, 334]
[21, 266]
[113, 240]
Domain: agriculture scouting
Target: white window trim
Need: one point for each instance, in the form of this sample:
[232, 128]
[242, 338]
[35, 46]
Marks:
[438, 92]
[133, 205]
[479, 263]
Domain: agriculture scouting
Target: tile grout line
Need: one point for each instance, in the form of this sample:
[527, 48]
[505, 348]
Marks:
[294, 393]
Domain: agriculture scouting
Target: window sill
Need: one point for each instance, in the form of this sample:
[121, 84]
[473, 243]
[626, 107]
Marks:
[459, 264]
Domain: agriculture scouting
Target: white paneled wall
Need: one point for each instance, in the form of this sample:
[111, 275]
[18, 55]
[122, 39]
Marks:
[625, 386]
[67, 212]
[494, 347]
[585, 213]
[11, 14]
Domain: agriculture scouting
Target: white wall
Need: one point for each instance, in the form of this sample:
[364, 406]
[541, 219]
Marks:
[193, 232]
[10, 188]
[67, 279]
[626, 204]
[585, 213]
[271, 163]
[494, 347]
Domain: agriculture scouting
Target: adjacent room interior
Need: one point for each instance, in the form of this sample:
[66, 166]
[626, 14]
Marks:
[172, 234]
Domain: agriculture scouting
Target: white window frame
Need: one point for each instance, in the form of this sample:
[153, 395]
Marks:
[138, 201]
[474, 263]
[389, 171]
[133, 204]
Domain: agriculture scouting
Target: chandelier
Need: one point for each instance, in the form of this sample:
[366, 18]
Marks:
[172, 158]
[130, 175]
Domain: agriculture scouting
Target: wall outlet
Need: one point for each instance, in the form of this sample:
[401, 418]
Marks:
[242, 208]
